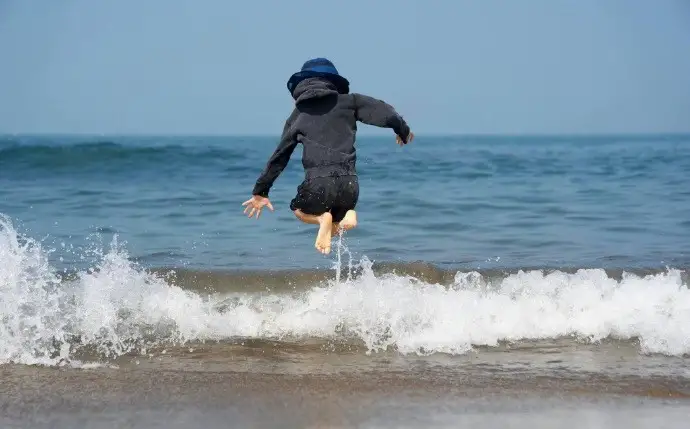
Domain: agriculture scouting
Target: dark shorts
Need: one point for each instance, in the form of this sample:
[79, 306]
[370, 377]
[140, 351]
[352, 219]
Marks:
[318, 195]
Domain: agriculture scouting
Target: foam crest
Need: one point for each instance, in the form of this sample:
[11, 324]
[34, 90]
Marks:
[424, 318]
[117, 308]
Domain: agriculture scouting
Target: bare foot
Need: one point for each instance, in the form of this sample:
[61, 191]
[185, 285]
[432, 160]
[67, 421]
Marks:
[323, 238]
[349, 221]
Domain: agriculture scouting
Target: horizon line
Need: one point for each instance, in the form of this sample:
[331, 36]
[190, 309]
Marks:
[378, 134]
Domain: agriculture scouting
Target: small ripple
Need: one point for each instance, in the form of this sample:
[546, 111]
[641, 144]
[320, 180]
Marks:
[158, 255]
[625, 228]
[524, 224]
[105, 230]
[585, 218]
[553, 210]
[529, 199]
[86, 193]
[174, 215]
[489, 206]
[442, 227]
[42, 200]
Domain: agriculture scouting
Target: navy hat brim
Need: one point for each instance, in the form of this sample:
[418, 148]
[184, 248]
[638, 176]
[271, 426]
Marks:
[341, 84]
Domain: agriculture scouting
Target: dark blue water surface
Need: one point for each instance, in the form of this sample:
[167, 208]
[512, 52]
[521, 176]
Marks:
[453, 201]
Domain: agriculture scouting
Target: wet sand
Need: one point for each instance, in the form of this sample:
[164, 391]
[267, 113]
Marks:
[265, 385]
[33, 398]
[224, 281]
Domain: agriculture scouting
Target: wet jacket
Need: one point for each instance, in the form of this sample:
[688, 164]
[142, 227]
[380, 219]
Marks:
[325, 122]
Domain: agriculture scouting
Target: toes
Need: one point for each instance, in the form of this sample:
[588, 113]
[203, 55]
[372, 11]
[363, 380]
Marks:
[323, 249]
[323, 246]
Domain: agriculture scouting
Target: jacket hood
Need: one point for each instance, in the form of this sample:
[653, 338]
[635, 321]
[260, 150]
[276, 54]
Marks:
[313, 88]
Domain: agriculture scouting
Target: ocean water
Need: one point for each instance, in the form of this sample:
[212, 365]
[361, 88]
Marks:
[507, 258]
[454, 202]
[461, 205]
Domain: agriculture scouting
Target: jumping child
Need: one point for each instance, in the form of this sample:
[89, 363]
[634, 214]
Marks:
[324, 120]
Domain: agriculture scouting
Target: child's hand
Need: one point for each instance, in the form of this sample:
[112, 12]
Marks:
[410, 137]
[256, 203]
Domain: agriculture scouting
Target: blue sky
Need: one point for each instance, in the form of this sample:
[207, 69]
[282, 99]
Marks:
[449, 66]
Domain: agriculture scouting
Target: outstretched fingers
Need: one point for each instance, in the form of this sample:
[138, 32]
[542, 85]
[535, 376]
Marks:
[254, 207]
[251, 208]
[400, 141]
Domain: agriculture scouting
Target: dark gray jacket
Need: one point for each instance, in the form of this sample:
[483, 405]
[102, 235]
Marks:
[325, 122]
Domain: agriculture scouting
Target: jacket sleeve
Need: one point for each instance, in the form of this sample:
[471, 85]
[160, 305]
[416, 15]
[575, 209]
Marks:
[278, 160]
[375, 112]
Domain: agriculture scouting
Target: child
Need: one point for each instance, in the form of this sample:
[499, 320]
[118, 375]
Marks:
[324, 120]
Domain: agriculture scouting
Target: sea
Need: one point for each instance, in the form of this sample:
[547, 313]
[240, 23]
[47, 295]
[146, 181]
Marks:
[536, 280]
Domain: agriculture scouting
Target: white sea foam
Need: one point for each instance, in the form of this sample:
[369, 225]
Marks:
[117, 307]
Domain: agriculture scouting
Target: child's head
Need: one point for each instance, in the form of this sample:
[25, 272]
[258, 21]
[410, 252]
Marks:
[319, 67]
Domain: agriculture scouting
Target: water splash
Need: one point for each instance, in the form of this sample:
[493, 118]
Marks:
[338, 265]
[117, 307]
[33, 327]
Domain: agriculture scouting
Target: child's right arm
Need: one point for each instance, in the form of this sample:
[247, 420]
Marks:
[372, 111]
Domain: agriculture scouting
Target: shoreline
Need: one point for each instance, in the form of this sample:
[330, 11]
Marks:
[33, 397]
[190, 383]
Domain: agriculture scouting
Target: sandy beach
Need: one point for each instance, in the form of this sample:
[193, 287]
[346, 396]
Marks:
[266, 385]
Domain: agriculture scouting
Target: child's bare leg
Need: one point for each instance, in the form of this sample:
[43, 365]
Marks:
[349, 221]
[325, 222]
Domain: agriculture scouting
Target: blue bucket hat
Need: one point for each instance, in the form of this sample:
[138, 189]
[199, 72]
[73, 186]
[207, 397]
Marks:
[319, 67]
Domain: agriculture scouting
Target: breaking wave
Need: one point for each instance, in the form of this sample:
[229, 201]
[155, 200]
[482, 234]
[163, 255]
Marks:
[118, 307]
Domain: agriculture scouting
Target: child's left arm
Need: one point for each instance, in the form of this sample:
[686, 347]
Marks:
[373, 111]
